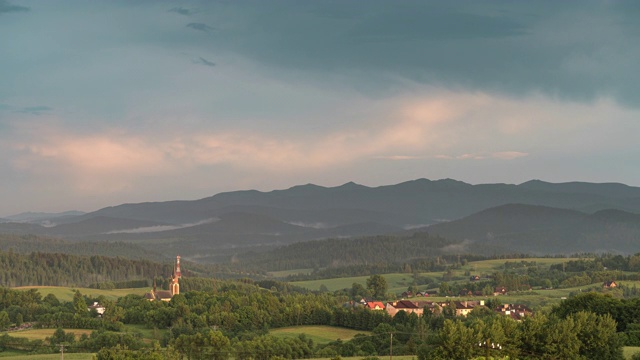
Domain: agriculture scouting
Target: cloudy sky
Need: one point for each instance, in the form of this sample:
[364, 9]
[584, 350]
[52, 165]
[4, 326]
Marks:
[106, 102]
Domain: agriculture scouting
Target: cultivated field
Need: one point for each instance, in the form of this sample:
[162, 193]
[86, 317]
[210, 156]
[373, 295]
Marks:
[319, 334]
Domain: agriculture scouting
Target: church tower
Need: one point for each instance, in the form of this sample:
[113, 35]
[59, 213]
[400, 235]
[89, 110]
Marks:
[175, 286]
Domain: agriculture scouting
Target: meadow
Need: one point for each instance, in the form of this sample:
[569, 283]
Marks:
[10, 355]
[399, 282]
[318, 333]
[41, 334]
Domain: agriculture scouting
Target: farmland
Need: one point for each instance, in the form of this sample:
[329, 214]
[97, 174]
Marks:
[319, 334]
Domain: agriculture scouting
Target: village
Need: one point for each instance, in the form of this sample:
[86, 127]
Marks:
[459, 307]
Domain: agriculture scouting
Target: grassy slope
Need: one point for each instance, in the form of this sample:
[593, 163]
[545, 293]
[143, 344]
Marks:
[319, 334]
[628, 351]
[399, 282]
[66, 293]
[67, 356]
[41, 334]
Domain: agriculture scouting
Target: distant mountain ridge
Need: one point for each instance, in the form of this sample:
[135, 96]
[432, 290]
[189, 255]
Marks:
[541, 230]
[230, 222]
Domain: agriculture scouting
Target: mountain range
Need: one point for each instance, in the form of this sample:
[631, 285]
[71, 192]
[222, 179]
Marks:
[574, 216]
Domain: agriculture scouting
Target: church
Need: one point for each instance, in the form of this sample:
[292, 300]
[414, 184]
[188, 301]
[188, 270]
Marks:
[174, 287]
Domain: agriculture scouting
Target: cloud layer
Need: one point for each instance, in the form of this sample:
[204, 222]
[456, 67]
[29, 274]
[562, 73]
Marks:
[109, 102]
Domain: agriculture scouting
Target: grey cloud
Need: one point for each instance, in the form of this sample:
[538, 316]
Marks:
[182, 11]
[203, 61]
[6, 7]
[200, 27]
[564, 50]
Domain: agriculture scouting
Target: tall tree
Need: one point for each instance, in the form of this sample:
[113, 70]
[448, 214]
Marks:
[377, 284]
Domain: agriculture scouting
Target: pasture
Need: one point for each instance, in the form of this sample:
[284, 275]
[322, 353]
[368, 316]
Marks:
[66, 293]
[629, 351]
[319, 334]
[398, 282]
[68, 356]
[41, 334]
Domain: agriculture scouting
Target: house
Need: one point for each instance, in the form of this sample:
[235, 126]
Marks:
[474, 278]
[499, 290]
[364, 301]
[97, 307]
[514, 311]
[429, 305]
[463, 308]
[375, 305]
[422, 294]
[609, 284]
[407, 294]
[407, 306]
[465, 292]
[174, 287]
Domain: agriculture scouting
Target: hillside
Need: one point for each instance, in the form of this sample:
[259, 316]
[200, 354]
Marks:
[544, 230]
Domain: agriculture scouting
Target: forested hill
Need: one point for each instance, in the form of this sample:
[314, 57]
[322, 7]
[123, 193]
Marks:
[53, 269]
[26, 244]
[335, 253]
[544, 230]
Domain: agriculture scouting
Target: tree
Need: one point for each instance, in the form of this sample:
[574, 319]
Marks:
[358, 291]
[377, 284]
[220, 345]
[457, 341]
[444, 289]
[79, 304]
[4, 320]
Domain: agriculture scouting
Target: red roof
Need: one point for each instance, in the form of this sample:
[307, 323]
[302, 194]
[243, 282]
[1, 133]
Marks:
[375, 304]
[404, 304]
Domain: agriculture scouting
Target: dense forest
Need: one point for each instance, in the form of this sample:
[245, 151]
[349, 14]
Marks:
[26, 244]
[55, 269]
[346, 252]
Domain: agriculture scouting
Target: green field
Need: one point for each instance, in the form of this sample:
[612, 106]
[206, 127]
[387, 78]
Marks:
[398, 282]
[66, 293]
[628, 351]
[41, 334]
[319, 334]
[67, 356]
[148, 335]
[285, 273]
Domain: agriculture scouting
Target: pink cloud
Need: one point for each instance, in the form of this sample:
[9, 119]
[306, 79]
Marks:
[424, 126]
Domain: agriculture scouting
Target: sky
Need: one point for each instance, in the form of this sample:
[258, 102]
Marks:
[110, 102]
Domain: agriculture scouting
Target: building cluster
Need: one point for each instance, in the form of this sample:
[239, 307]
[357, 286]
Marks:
[462, 308]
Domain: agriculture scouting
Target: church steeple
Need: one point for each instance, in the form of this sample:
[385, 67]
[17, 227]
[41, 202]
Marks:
[175, 286]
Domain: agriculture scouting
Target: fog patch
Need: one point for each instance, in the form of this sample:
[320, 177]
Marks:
[159, 228]
[457, 248]
[317, 225]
